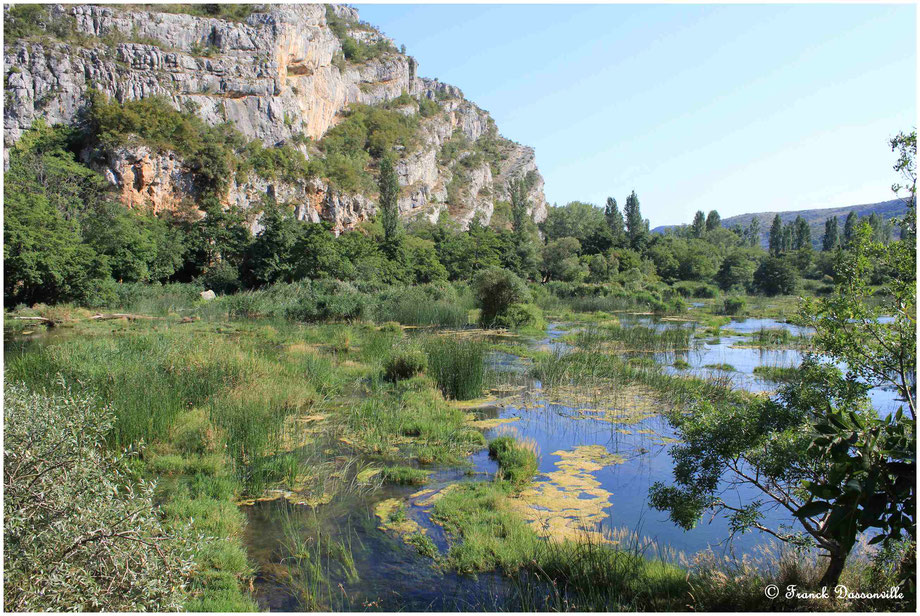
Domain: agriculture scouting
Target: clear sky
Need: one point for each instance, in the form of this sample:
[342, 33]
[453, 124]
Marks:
[736, 108]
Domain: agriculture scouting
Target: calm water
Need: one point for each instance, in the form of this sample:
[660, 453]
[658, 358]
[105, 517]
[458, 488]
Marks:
[392, 576]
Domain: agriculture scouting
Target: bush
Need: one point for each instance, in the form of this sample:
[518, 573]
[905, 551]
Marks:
[405, 363]
[776, 276]
[517, 463]
[458, 366]
[733, 305]
[496, 290]
[520, 315]
[76, 520]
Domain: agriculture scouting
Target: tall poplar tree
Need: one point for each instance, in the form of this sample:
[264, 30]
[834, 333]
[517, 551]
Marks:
[698, 226]
[636, 226]
[615, 221]
[389, 207]
[776, 236]
[830, 240]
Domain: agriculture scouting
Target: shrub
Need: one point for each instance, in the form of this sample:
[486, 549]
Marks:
[520, 315]
[76, 520]
[458, 366]
[517, 462]
[496, 290]
[776, 276]
[733, 305]
[405, 363]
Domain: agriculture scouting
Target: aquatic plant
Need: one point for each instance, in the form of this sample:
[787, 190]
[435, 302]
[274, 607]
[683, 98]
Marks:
[457, 365]
[405, 362]
[517, 460]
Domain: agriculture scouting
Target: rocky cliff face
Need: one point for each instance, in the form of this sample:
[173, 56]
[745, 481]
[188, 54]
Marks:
[279, 76]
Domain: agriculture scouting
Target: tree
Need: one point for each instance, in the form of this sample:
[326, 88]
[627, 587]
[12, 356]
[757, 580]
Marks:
[560, 260]
[615, 222]
[636, 226]
[698, 227]
[775, 276]
[388, 186]
[776, 236]
[496, 290]
[713, 221]
[905, 144]
[753, 233]
[830, 240]
[801, 234]
[736, 271]
[849, 229]
[81, 531]
[272, 256]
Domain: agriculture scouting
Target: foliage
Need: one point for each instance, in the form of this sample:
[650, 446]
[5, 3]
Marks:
[496, 290]
[517, 463]
[75, 518]
[775, 276]
[405, 363]
[458, 366]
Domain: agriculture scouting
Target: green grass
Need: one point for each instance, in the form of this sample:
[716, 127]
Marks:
[634, 338]
[457, 365]
[405, 475]
[720, 367]
[517, 462]
[778, 374]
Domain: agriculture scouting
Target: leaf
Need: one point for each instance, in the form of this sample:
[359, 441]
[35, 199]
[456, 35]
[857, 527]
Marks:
[812, 509]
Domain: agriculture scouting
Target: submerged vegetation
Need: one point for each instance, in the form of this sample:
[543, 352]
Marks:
[330, 371]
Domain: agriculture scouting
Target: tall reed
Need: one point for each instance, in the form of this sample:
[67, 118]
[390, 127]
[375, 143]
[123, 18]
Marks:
[458, 366]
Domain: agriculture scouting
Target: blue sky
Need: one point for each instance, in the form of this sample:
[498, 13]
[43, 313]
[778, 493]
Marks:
[736, 108]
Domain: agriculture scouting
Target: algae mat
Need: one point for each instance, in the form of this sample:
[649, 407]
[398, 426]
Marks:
[569, 503]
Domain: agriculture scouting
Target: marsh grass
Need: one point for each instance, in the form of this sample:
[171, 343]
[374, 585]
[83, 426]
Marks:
[778, 374]
[457, 365]
[517, 460]
[314, 560]
[634, 338]
[599, 370]
[777, 337]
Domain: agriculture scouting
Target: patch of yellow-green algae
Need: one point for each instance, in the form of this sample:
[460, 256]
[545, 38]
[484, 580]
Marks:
[625, 406]
[392, 515]
[486, 424]
[570, 503]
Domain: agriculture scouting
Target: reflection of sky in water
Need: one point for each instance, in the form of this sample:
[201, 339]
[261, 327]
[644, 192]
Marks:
[553, 428]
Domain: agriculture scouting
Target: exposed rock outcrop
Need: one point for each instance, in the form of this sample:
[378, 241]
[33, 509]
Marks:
[278, 76]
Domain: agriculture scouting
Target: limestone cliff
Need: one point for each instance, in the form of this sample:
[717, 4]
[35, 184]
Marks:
[280, 76]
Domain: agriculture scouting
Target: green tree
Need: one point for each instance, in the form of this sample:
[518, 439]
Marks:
[388, 186]
[753, 233]
[698, 227]
[81, 531]
[636, 226]
[615, 222]
[272, 256]
[801, 234]
[849, 228]
[905, 145]
[713, 221]
[560, 260]
[737, 271]
[872, 477]
[775, 276]
[776, 236]
[830, 240]
[496, 290]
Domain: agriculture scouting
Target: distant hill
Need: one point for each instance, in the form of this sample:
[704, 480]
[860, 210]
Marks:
[894, 208]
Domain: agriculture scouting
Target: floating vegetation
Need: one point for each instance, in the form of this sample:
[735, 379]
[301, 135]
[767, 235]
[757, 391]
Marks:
[628, 405]
[777, 374]
[488, 424]
[394, 519]
[720, 367]
[570, 502]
